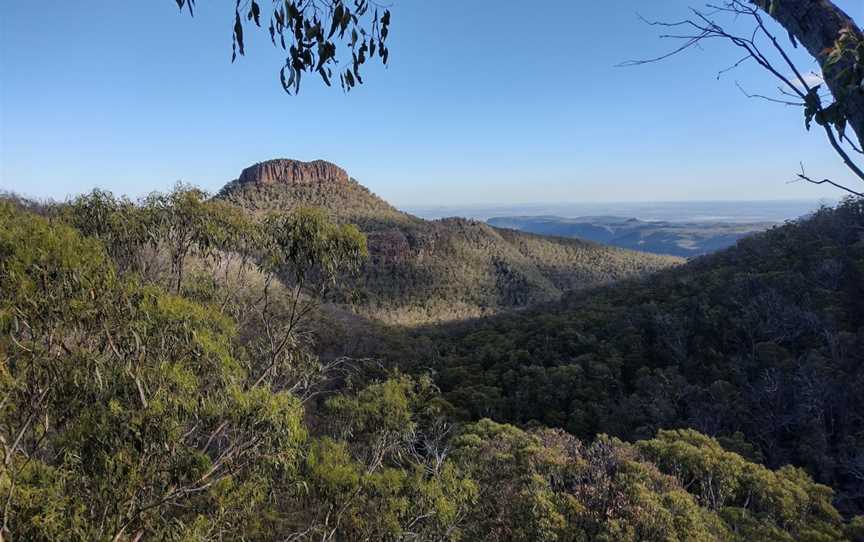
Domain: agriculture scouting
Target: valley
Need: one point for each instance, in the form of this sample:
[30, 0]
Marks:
[758, 345]
[682, 239]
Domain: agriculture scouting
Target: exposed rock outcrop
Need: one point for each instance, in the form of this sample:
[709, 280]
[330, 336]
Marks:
[284, 171]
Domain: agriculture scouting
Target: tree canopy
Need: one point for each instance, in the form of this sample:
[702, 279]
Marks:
[134, 406]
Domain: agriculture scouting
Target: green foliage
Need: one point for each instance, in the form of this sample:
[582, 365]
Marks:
[117, 222]
[751, 498]
[183, 220]
[381, 471]
[855, 529]
[131, 412]
[311, 33]
[183, 223]
[546, 485]
[760, 345]
[125, 400]
[306, 243]
[128, 411]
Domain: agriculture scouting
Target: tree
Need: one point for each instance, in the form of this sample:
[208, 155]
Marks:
[309, 256]
[130, 413]
[831, 37]
[183, 221]
[124, 410]
[312, 32]
[836, 42]
[118, 223]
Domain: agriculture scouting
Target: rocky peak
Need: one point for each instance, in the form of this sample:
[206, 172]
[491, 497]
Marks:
[283, 171]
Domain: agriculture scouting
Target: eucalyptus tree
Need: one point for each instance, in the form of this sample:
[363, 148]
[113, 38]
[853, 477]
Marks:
[305, 259]
[125, 410]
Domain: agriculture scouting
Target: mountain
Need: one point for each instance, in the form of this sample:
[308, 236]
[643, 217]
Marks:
[684, 239]
[423, 271]
[760, 345]
[283, 185]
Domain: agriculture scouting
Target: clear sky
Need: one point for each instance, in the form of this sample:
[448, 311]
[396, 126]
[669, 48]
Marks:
[484, 102]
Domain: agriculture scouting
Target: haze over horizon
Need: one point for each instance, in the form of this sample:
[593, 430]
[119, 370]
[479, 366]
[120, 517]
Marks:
[464, 114]
[741, 211]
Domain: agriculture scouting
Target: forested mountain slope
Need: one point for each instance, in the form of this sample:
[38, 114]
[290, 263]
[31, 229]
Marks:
[157, 383]
[762, 343]
[685, 239]
[428, 271]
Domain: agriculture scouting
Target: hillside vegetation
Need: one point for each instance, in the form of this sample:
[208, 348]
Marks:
[157, 383]
[760, 345]
[684, 239]
[430, 271]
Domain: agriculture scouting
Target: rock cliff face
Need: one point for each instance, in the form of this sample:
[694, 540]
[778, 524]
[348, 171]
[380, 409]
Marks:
[283, 171]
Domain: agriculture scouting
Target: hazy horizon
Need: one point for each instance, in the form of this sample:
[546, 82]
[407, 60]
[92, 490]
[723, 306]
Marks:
[743, 210]
[737, 211]
[775, 210]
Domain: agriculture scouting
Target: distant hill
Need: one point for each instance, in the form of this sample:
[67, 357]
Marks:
[426, 271]
[685, 239]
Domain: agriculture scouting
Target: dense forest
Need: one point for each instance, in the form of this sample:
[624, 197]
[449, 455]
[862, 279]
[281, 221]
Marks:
[159, 382]
[761, 346]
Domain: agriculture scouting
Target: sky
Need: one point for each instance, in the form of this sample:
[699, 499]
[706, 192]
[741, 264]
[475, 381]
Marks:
[484, 102]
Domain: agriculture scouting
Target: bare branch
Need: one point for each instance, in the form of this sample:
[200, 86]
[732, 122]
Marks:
[794, 90]
[767, 98]
[803, 177]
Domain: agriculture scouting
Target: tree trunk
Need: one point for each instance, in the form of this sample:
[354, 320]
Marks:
[817, 24]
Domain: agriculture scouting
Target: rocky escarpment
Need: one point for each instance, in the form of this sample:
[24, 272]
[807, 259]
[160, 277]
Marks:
[284, 171]
[282, 185]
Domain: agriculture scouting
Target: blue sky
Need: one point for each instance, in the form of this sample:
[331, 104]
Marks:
[490, 102]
